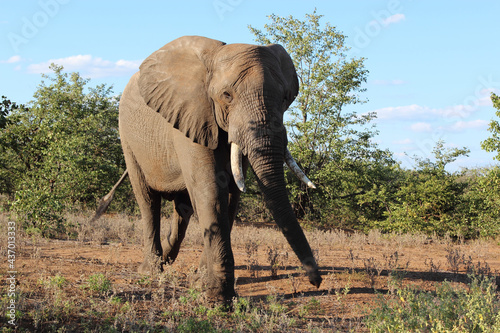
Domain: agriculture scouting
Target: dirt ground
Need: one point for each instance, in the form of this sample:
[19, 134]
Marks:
[356, 268]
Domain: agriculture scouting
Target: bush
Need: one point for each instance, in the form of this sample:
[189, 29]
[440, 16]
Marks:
[449, 309]
[429, 199]
[40, 212]
[63, 150]
[482, 198]
[98, 283]
[196, 325]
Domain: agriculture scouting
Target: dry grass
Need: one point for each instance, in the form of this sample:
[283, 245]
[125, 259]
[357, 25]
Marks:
[89, 283]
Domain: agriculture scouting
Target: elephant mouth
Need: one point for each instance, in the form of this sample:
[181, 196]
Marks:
[237, 168]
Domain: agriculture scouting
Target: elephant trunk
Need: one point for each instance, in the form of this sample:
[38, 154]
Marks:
[258, 129]
[237, 168]
[267, 163]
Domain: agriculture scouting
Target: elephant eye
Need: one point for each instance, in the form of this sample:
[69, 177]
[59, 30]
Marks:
[226, 96]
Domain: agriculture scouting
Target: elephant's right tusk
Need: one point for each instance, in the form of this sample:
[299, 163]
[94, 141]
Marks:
[237, 166]
[292, 164]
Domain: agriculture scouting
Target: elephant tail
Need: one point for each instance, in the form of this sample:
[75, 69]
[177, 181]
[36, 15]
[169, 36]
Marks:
[106, 200]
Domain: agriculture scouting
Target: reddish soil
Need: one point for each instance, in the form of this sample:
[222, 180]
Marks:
[355, 273]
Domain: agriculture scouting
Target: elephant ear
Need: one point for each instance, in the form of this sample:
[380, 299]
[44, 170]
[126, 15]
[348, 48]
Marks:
[288, 71]
[173, 82]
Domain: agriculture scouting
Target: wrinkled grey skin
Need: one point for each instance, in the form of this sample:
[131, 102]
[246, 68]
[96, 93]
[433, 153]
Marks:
[178, 116]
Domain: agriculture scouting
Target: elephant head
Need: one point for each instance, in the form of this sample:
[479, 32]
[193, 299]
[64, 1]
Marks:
[204, 88]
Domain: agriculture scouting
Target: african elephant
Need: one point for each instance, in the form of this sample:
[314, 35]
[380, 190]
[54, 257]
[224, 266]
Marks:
[191, 120]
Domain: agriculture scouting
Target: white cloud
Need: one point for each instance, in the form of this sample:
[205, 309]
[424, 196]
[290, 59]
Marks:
[484, 97]
[418, 112]
[393, 19]
[465, 125]
[380, 20]
[408, 112]
[421, 127]
[11, 60]
[89, 66]
[470, 104]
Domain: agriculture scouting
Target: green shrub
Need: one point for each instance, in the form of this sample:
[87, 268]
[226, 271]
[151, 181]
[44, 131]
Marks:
[448, 309]
[61, 151]
[58, 281]
[429, 199]
[483, 201]
[38, 211]
[197, 326]
[98, 283]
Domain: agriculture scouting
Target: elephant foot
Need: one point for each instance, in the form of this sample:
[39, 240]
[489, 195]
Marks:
[220, 289]
[216, 290]
[222, 297]
[152, 265]
[197, 280]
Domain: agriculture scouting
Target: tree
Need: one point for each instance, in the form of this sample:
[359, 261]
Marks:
[492, 144]
[482, 210]
[64, 148]
[6, 106]
[9, 170]
[332, 143]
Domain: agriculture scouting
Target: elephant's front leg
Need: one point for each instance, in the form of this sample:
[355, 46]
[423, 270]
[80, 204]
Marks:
[207, 180]
[218, 254]
[211, 206]
[234, 199]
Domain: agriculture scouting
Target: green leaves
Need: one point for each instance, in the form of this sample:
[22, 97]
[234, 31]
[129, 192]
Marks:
[492, 144]
[448, 309]
[432, 200]
[64, 150]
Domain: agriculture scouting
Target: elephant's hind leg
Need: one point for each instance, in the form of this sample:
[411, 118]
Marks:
[149, 202]
[178, 226]
[151, 214]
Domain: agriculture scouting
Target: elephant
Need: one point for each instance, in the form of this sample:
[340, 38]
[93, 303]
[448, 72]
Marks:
[194, 117]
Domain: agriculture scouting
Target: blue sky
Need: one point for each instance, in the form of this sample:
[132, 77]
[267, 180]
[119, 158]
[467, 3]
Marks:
[433, 64]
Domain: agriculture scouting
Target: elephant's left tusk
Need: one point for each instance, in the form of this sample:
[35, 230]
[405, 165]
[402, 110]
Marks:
[237, 166]
[292, 164]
